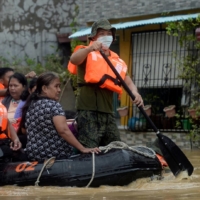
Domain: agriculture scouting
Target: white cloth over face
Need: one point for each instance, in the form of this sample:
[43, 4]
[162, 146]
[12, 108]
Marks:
[106, 41]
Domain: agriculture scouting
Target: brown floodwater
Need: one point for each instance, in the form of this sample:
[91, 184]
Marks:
[169, 188]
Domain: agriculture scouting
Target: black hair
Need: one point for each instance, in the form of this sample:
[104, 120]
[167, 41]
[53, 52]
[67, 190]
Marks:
[21, 78]
[26, 93]
[4, 70]
[32, 83]
[44, 79]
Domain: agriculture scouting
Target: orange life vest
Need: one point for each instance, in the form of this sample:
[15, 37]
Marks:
[3, 121]
[99, 72]
[71, 67]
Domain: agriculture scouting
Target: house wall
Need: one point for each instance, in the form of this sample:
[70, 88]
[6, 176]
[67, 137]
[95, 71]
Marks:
[29, 27]
[125, 49]
[91, 10]
[129, 10]
[146, 138]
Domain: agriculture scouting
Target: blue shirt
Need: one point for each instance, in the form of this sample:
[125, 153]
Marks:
[18, 112]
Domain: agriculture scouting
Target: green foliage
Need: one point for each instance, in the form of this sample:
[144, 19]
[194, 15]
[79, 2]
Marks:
[154, 101]
[74, 42]
[189, 66]
[52, 62]
[194, 105]
[195, 133]
[192, 126]
[165, 14]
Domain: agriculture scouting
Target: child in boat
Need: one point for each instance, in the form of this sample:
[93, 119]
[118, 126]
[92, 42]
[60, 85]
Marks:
[44, 121]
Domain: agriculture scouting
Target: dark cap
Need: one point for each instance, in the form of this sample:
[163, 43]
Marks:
[103, 24]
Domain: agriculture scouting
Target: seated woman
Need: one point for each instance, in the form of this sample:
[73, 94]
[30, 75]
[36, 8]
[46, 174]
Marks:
[18, 113]
[25, 94]
[44, 121]
[16, 85]
[5, 74]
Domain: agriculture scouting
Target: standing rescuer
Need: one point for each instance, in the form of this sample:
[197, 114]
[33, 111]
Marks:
[96, 84]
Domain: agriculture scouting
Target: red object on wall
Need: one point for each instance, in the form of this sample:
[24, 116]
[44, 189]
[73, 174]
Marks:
[198, 33]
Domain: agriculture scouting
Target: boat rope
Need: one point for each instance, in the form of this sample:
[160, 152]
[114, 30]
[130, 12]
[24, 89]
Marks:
[142, 150]
[93, 170]
[44, 165]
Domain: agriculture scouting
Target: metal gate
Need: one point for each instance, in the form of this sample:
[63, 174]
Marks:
[155, 74]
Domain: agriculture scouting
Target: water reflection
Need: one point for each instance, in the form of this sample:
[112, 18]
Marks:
[169, 188]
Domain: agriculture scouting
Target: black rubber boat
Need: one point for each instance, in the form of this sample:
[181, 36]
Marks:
[116, 167]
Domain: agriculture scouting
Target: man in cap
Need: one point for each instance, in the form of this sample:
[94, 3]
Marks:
[96, 121]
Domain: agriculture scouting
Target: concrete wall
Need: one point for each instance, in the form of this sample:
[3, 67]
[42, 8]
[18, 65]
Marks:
[144, 138]
[91, 10]
[29, 27]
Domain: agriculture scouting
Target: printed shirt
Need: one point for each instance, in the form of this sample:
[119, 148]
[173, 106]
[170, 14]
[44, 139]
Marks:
[43, 140]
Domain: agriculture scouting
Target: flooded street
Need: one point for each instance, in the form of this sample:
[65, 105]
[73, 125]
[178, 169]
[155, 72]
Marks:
[169, 188]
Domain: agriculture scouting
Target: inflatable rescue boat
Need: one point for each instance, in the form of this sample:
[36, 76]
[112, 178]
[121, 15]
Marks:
[117, 167]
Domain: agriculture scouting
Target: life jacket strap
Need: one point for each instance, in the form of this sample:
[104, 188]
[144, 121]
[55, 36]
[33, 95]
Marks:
[105, 77]
[102, 81]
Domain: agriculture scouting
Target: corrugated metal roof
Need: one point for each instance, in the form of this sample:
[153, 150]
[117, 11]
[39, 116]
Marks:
[81, 32]
[123, 25]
